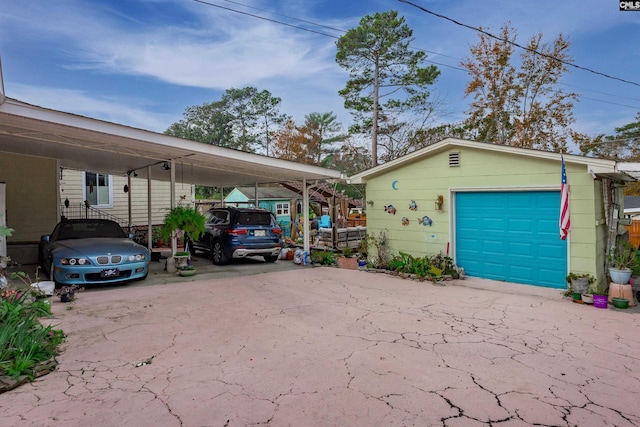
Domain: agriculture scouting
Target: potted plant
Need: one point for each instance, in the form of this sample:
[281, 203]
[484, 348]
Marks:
[182, 259]
[600, 296]
[187, 270]
[622, 260]
[347, 260]
[40, 289]
[157, 241]
[185, 219]
[580, 282]
[362, 262]
[68, 293]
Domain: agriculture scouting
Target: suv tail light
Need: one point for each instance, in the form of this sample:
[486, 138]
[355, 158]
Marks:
[237, 232]
[276, 230]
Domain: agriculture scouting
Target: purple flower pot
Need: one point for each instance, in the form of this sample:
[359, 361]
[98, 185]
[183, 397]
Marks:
[600, 301]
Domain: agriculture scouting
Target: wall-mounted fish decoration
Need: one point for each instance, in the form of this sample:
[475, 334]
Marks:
[405, 221]
[390, 209]
[425, 220]
[413, 205]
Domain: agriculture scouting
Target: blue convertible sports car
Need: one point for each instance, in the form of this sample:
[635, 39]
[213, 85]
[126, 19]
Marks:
[92, 251]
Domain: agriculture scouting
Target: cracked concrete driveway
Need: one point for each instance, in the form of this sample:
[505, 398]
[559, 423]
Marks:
[331, 347]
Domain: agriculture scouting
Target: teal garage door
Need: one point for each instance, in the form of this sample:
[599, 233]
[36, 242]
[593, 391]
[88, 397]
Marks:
[511, 236]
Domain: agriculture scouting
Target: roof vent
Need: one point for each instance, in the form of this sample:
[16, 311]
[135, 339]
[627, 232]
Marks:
[454, 160]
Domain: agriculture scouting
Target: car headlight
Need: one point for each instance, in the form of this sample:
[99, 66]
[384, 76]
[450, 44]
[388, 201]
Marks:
[75, 261]
[137, 257]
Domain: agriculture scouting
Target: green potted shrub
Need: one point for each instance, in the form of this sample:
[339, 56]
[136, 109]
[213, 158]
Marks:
[621, 261]
[157, 241]
[186, 271]
[580, 282]
[185, 219]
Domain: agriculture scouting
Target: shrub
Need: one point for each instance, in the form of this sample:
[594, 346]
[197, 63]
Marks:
[24, 341]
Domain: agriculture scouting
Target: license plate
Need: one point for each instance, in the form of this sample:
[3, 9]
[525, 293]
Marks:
[110, 272]
[261, 233]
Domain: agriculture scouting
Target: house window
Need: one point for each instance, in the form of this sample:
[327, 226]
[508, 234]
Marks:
[97, 189]
[282, 208]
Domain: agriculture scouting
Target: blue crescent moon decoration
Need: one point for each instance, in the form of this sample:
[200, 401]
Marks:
[393, 184]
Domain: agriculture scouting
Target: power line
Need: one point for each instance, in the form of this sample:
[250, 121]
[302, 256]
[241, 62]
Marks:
[265, 19]
[286, 16]
[602, 93]
[518, 45]
[415, 48]
[307, 29]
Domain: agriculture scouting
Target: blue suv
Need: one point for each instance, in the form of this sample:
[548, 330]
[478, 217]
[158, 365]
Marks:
[240, 232]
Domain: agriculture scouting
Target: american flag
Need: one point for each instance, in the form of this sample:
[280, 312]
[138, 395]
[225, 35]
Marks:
[565, 220]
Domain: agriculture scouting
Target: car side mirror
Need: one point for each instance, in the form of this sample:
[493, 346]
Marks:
[45, 237]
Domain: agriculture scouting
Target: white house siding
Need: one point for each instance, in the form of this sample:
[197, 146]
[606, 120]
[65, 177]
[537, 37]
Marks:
[71, 188]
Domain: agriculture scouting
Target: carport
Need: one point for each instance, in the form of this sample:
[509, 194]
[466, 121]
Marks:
[44, 139]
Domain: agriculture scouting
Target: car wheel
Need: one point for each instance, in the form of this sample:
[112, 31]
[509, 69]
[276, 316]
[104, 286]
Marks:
[270, 258]
[217, 251]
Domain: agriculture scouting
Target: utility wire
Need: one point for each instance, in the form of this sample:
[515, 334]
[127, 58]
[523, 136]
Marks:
[571, 64]
[419, 49]
[307, 29]
[265, 19]
[286, 16]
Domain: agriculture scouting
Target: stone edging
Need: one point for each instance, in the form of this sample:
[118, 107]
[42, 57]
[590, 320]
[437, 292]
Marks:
[43, 368]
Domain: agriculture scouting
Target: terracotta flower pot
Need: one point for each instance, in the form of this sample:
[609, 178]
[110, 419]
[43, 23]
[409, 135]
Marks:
[349, 263]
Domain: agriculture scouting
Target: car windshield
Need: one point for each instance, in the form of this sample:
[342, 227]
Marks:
[254, 218]
[89, 229]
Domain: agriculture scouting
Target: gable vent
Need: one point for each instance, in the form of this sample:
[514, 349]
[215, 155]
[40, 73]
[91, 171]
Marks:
[454, 160]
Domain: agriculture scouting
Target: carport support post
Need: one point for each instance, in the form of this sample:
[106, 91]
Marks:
[305, 216]
[129, 202]
[171, 266]
[255, 195]
[172, 204]
[149, 217]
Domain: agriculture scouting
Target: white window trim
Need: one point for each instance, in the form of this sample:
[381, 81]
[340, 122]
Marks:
[286, 208]
[84, 189]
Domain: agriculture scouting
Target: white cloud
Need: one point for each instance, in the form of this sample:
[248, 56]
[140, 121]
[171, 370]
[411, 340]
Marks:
[128, 112]
[191, 45]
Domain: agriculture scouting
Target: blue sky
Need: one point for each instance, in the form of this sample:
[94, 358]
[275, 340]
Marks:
[142, 62]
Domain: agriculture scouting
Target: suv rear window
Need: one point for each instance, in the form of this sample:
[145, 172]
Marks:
[217, 217]
[254, 218]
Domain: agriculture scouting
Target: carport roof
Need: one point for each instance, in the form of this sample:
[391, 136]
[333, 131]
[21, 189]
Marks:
[84, 143]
